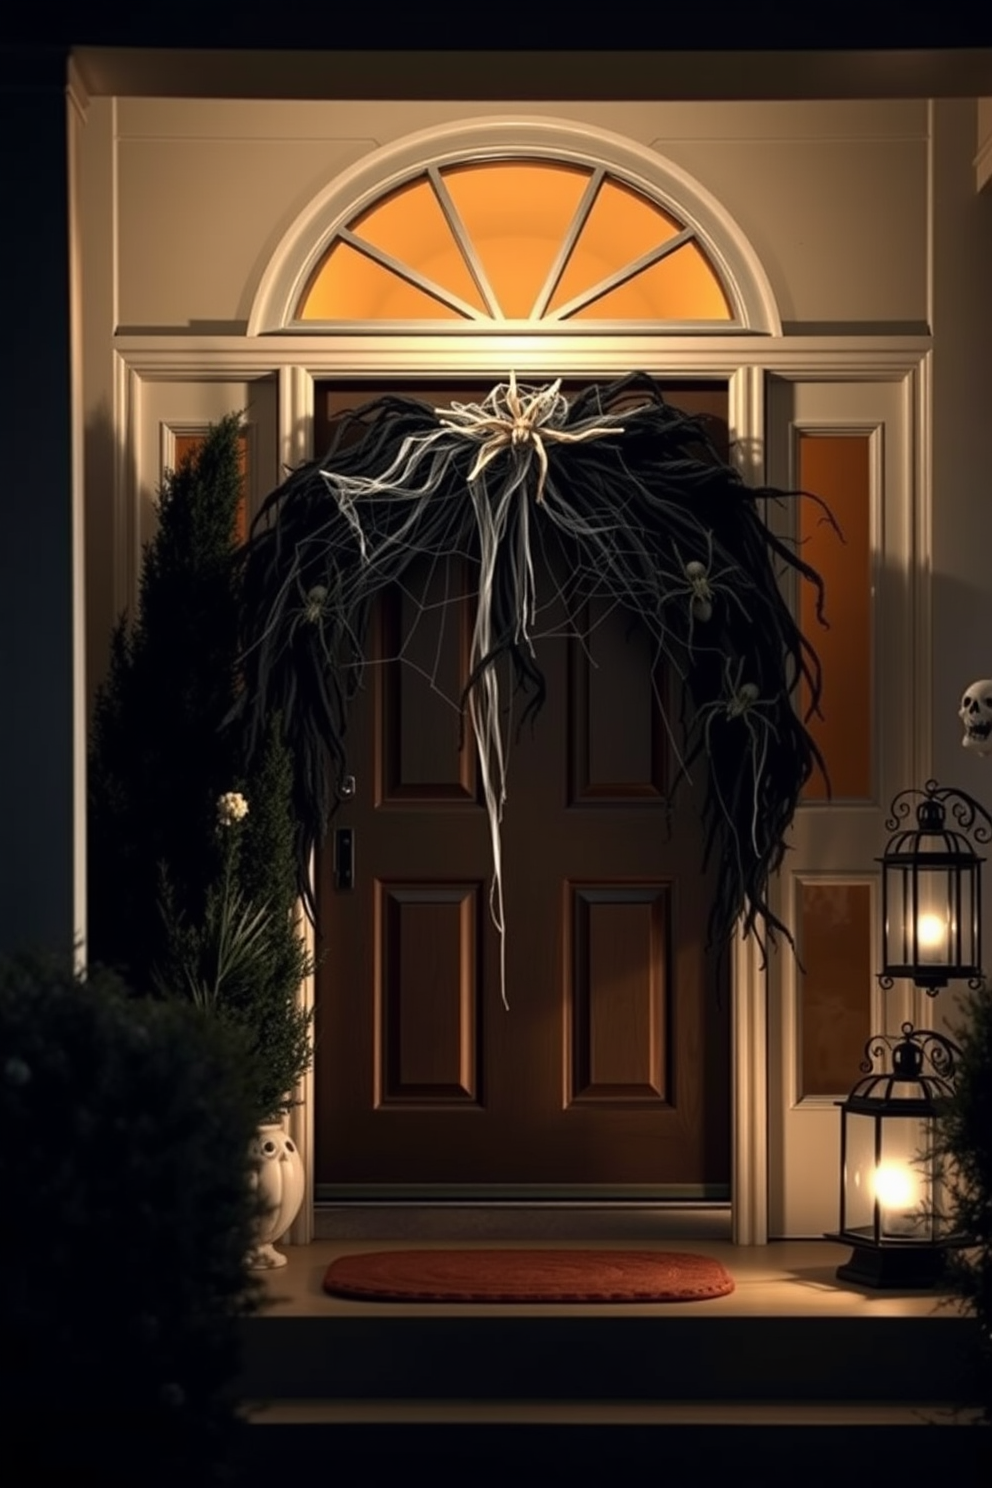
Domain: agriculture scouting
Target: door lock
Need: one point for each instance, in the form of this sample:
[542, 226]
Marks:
[344, 858]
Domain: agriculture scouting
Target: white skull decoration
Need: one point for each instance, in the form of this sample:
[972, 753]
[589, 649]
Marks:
[975, 713]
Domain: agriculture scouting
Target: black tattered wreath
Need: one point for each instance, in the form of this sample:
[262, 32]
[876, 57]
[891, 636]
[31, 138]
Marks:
[633, 496]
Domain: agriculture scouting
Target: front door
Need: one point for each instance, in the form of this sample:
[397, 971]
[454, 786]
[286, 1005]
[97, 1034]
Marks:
[610, 1069]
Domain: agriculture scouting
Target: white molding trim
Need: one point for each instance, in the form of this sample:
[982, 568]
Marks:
[383, 170]
[745, 361]
[747, 422]
[749, 1094]
[296, 406]
[75, 123]
[983, 165]
[918, 390]
[748, 981]
[301, 1117]
[76, 91]
[172, 429]
[126, 544]
[983, 155]
[295, 403]
[183, 358]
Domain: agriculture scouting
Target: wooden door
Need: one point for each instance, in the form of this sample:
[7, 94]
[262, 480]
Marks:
[611, 1066]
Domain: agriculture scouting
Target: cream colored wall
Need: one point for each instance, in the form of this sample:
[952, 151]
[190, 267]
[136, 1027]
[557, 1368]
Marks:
[831, 194]
[962, 418]
[962, 457]
[184, 201]
[103, 449]
[864, 214]
[983, 152]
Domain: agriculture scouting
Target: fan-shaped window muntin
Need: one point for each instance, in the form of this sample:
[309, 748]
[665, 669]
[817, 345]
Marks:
[530, 239]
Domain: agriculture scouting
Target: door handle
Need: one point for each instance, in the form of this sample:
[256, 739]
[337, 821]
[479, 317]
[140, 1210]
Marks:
[344, 858]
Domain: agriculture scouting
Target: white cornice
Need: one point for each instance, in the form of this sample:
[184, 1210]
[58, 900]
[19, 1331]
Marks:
[76, 90]
[163, 72]
[165, 357]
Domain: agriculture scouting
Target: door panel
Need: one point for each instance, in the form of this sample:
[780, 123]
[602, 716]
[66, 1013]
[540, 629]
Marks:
[611, 1066]
[427, 994]
[824, 891]
[419, 734]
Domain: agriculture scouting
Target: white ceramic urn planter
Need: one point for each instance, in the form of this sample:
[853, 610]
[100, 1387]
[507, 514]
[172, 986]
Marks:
[278, 1174]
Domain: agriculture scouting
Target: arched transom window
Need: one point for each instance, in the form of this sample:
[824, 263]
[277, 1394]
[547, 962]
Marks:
[543, 227]
[533, 240]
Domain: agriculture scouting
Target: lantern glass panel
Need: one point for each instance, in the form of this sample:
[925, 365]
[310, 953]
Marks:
[936, 916]
[859, 1198]
[886, 1160]
[898, 915]
[857, 1176]
[901, 1181]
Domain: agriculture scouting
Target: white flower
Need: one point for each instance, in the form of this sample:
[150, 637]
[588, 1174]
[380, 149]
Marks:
[231, 807]
[16, 1071]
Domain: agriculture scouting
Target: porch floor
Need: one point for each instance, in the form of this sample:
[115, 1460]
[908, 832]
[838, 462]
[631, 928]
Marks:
[782, 1371]
[786, 1278]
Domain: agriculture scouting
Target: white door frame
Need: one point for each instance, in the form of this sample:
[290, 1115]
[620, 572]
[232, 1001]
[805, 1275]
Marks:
[294, 363]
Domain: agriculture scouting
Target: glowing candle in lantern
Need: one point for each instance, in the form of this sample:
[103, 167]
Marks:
[932, 937]
[898, 1193]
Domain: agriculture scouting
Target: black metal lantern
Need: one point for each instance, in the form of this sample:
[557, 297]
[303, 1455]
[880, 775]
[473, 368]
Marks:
[932, 890]
[892, 1209]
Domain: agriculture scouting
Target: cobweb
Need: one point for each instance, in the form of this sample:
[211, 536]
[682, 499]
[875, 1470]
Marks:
[571, 603]
[615, 507]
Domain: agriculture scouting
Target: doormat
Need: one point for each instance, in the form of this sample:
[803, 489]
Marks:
[527, 1276]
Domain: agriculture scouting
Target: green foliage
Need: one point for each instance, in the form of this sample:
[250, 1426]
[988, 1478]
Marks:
[965, 1139]
[128, 1218]
[159, 753]
[170, 905]
[240, 961]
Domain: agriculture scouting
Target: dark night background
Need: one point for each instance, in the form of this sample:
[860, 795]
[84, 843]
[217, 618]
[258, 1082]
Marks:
[564, 45]
[719, 24]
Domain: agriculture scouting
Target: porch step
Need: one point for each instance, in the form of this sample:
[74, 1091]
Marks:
[692, 1445]
[793, 1377]
[656, 1357]
[688, 1413]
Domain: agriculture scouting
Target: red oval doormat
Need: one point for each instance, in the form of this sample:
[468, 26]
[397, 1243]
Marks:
[527, 1276]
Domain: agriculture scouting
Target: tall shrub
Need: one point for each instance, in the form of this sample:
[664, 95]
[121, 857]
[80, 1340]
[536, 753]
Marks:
[162, 756]
[159, 754]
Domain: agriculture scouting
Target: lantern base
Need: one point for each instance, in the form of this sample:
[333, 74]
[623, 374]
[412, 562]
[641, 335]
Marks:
[895, 1267]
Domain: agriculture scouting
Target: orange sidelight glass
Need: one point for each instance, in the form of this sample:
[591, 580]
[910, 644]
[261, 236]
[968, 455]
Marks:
[188, 444]
[837, 467]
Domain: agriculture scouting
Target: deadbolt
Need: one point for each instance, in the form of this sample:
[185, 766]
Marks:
[344, 858]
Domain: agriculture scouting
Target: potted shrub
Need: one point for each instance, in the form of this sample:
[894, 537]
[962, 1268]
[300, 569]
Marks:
[241, 961]
[122, 1278]
[187, 899]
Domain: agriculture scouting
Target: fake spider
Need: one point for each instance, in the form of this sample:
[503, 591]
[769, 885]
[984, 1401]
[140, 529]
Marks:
[313, 605]
[702, 586]
[315, 612]
[741, 701]
[514, 419]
